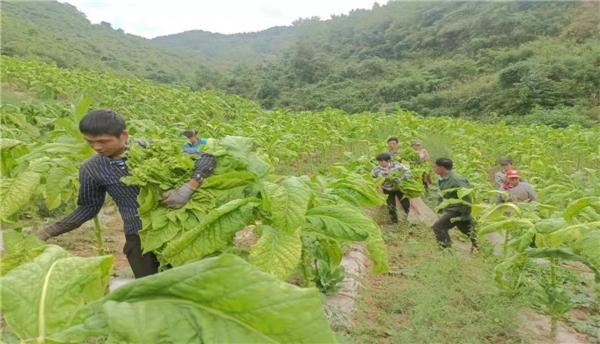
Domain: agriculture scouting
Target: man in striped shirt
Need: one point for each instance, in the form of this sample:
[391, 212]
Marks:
[385, 169]
[106, 133]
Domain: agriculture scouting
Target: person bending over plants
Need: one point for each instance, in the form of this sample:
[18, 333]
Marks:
[393, 173]
[105, 131]
[194, 146]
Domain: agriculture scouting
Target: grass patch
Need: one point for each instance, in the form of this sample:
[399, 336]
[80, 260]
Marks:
[432, 297]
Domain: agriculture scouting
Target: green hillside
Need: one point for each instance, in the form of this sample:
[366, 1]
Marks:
[524, 62]
[231, 50]
[481, 60]
[59, 33]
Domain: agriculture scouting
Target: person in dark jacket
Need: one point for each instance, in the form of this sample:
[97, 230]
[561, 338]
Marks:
[105, 131]
[457, 214]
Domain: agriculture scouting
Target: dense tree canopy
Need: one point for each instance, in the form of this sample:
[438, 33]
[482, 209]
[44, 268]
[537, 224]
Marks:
[521, 61]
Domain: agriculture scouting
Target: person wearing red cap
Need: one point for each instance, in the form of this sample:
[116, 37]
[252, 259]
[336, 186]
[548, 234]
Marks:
[519, 191]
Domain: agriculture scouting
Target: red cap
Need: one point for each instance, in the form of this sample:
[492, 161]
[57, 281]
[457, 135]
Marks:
[513, 174]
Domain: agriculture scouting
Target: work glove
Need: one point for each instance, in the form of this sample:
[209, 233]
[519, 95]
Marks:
[47, 232]
[177, 198]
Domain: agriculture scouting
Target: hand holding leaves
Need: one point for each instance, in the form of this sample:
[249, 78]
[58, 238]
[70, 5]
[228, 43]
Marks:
[177, 198]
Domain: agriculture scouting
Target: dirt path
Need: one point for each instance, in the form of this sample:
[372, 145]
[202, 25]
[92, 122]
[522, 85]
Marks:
[82, 241]
[536, 328]
[341, 306]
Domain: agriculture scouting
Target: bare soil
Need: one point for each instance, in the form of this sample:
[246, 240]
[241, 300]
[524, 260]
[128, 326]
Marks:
[82, 241]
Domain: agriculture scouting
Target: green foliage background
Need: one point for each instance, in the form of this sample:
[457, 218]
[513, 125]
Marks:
[524, 62]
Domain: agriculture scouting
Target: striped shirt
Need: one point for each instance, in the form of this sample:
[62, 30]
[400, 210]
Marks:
[388, 184]
[100, 175]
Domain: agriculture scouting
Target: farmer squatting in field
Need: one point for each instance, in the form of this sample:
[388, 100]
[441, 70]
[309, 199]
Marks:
[105, 131]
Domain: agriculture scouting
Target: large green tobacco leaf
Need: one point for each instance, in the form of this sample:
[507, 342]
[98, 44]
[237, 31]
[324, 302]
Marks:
[589, 247]
[216, 300]
[341, 222]
[20, 191]
[577, 206]
[80, 109]
[511, 224]
[357, 191]
[160, 165]
[550, 225]
[450, 202]
[225, 196]
[40, 298]
[228, 180]
[377, 250]
[225, 162]
[499, 212]
[215, 232]
[286, 202]
[154, 234]
[276, 252]
[10, 150]
[411, 187]
[19, 248]
[148, 199]
[161, 225]
[243, 148]
[568, 234]
[57, 180]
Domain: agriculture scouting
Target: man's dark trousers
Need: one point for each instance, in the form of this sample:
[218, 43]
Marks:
[141, 264]
[445, 223]
[391, 203]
